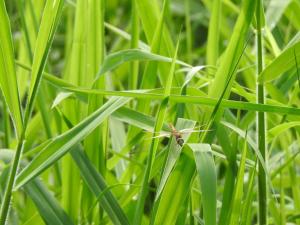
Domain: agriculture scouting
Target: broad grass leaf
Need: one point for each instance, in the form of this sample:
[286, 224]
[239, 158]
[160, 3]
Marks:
[284, 62]
[208, 180]
[97, 185]
[173, 153]
[63, 143]
[47, 205]
[175, 192]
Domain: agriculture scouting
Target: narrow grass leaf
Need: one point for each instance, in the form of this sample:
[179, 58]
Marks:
[8, 79]
[250, 106]
[118, 58]
[277, 130]
[213, 33]
[49, 23]
[236, 205]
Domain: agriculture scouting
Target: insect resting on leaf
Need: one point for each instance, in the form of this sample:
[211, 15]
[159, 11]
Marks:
[177, 134]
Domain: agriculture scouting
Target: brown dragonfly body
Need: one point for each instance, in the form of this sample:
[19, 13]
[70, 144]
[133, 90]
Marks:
[177, 135]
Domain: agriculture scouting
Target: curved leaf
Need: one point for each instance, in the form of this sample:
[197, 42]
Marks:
[118, 58]
[277, 130]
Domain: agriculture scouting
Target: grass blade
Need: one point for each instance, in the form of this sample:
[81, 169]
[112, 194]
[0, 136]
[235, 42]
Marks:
[8, 79]
[154, 144]
[236, 205]
[48, 207]
[261, 122]
[97, 185]
[49, 23]
[115, 59]
[284, 62]
[62, 144]
[208, 181]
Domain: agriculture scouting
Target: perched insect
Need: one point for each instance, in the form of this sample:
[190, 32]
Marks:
[177, 134]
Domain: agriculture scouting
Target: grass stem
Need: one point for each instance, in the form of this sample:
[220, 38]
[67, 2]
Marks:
[262, 181]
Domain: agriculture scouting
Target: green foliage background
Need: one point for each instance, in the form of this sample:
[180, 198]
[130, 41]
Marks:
[88, 85]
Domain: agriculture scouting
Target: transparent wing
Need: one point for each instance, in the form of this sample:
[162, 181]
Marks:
[193, 129]
[187, 131]
[158, 134]
[162, 135]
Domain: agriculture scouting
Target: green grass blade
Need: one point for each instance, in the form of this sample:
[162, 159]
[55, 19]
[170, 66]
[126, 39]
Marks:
[284, 62]
[175, 191]
[134, 67]
[62, 144]
[234, 49]
[48, 26]
[213, 34]
[208, 181]
[173, 154]
[49, 23]
[261, 122]
[98, 186]
[95, 143]
[47, 205]
[277, 130]
[150, 9]
[8, 79]
[246, 210]
[60, 83]
[154, 143]
[236, 205]
[118, 58]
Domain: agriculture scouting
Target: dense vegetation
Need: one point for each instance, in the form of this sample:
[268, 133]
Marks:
[90, 88]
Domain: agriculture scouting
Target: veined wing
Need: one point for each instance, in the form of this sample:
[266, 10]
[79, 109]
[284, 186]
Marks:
[187, 131]
[159, 134]
[162, 134]
[197, 129]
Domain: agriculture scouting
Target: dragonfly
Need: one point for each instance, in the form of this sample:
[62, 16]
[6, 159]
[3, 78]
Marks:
[178, 134]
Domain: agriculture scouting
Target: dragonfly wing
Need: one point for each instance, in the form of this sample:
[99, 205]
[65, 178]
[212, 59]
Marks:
[192, 131]
[162, 135]
[195, 128]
